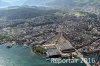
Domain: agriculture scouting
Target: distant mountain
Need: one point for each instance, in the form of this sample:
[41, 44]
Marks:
[23, 2]
[74, 2]
[23, 13]
[36, 2]
[3, 3]
[86, 5]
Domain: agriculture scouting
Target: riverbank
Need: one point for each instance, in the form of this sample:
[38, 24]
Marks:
[27, 57]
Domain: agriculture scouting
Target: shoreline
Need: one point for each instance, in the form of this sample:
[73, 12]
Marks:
[35, 53]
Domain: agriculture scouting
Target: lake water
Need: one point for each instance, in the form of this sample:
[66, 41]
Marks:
[22, 56]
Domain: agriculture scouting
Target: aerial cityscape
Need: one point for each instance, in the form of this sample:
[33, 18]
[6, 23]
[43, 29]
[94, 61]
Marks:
[49, 32]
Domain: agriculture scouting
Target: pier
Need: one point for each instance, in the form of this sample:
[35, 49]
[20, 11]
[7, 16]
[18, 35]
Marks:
[58, 44]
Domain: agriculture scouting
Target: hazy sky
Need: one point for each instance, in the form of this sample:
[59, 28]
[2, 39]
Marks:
[10, 0]
[13, 1]
[26, 2]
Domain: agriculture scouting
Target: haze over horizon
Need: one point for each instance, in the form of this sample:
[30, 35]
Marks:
[86, 5]
[23, 2]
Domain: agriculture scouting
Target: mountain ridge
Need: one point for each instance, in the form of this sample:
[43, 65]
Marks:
[84, 5]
